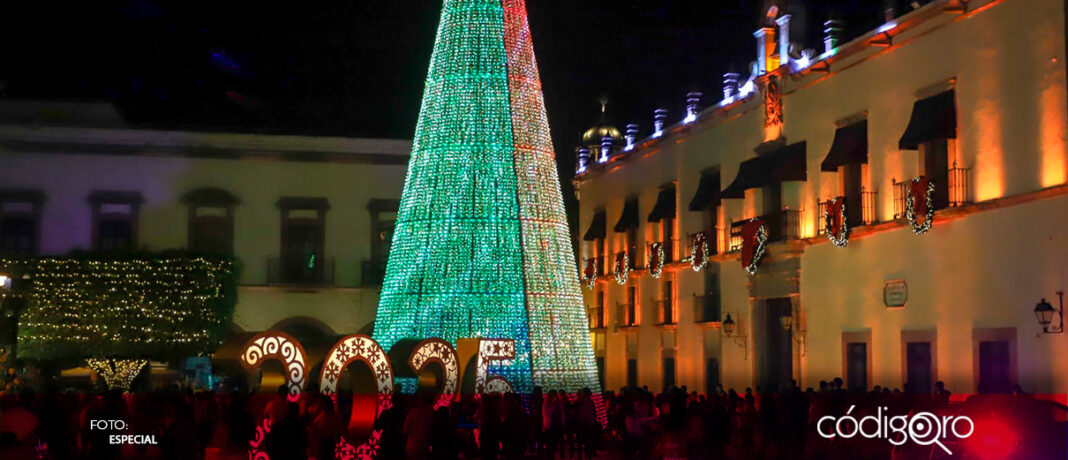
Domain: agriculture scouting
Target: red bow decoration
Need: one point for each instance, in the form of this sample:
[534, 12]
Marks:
[656, 262]
[700, 240]
[918, 192]
[834, 211]
[591, 268]
[752, 243]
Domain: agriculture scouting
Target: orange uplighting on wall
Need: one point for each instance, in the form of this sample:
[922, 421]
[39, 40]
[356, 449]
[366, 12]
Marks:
[989, 167]
[1052, 132]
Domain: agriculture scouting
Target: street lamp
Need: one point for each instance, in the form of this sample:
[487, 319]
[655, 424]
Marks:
[1044, 313]
[729, 329]
[798, 335]
[729, 325]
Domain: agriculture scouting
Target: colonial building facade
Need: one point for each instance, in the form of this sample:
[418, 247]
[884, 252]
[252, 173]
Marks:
[969, 97]
[309, 219]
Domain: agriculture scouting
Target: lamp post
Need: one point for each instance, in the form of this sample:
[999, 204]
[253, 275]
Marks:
[1044, 313]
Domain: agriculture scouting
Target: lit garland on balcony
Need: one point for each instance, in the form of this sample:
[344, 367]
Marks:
[135, 306]
[916, 188]
[656, 259]
[481, 247]
[119, 374]
[836, 210]
[700, 251]
[622, 267]
[754, 242]
[589, 276]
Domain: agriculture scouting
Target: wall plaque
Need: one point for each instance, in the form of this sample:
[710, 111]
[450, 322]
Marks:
[895, 293]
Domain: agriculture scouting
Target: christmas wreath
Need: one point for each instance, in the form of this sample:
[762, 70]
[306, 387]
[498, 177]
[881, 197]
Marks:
[656, 259]
[700, 251]
[834, 221]
[920, 187]
[754, 242]
[622, 267]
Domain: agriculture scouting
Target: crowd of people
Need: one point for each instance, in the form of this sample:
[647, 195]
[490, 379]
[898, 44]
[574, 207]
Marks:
[637, 423]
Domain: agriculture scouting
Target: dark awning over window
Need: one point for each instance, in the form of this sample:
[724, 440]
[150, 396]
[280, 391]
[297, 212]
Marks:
[628, 219]
[707, 192]
[785, 164]
[665, 206]
[933, 118]
[597, 227]
[850, 146]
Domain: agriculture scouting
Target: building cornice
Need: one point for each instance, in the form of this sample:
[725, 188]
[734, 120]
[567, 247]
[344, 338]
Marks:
[859, 50]
[190, 144]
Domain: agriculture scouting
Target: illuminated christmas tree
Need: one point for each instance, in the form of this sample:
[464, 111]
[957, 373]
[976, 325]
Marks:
[481, 246]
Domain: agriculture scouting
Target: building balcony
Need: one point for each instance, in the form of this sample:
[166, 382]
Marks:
[706, 308]
[597, 321]
[310, 272]
[671, 250]
[627, 314]
[712, 236]
[781, 226]
[666, 312]
[866, 216]
[955, 192]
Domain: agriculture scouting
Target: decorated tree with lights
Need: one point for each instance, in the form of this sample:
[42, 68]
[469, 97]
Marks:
[481, 246]
[116, 313]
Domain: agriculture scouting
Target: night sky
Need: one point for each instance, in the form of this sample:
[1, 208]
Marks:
[356, 68]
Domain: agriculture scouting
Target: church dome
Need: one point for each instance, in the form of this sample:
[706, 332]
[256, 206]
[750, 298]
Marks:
[595, 134]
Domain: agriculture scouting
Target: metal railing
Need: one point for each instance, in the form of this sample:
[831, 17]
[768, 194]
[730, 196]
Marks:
[867, 212]
[706, 308]
[597, 317]
[712, 236]
[736, 235]
[665, 312]
[959, 185]
[321, 275]
[901, 192]
[671, 250]
[635, 257]
[628, 313]
[956, 192]
[781, 226]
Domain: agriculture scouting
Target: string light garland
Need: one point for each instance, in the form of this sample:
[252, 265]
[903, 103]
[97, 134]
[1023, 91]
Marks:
[118, 374]
[124, 306]
[481, 246]
[589, 276]
[622, 267]
[754, 243]
[700, 251]
[656, 259]
[837, 232]
[918, 185]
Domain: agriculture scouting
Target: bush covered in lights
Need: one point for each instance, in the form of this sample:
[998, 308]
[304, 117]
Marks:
[88, 305]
